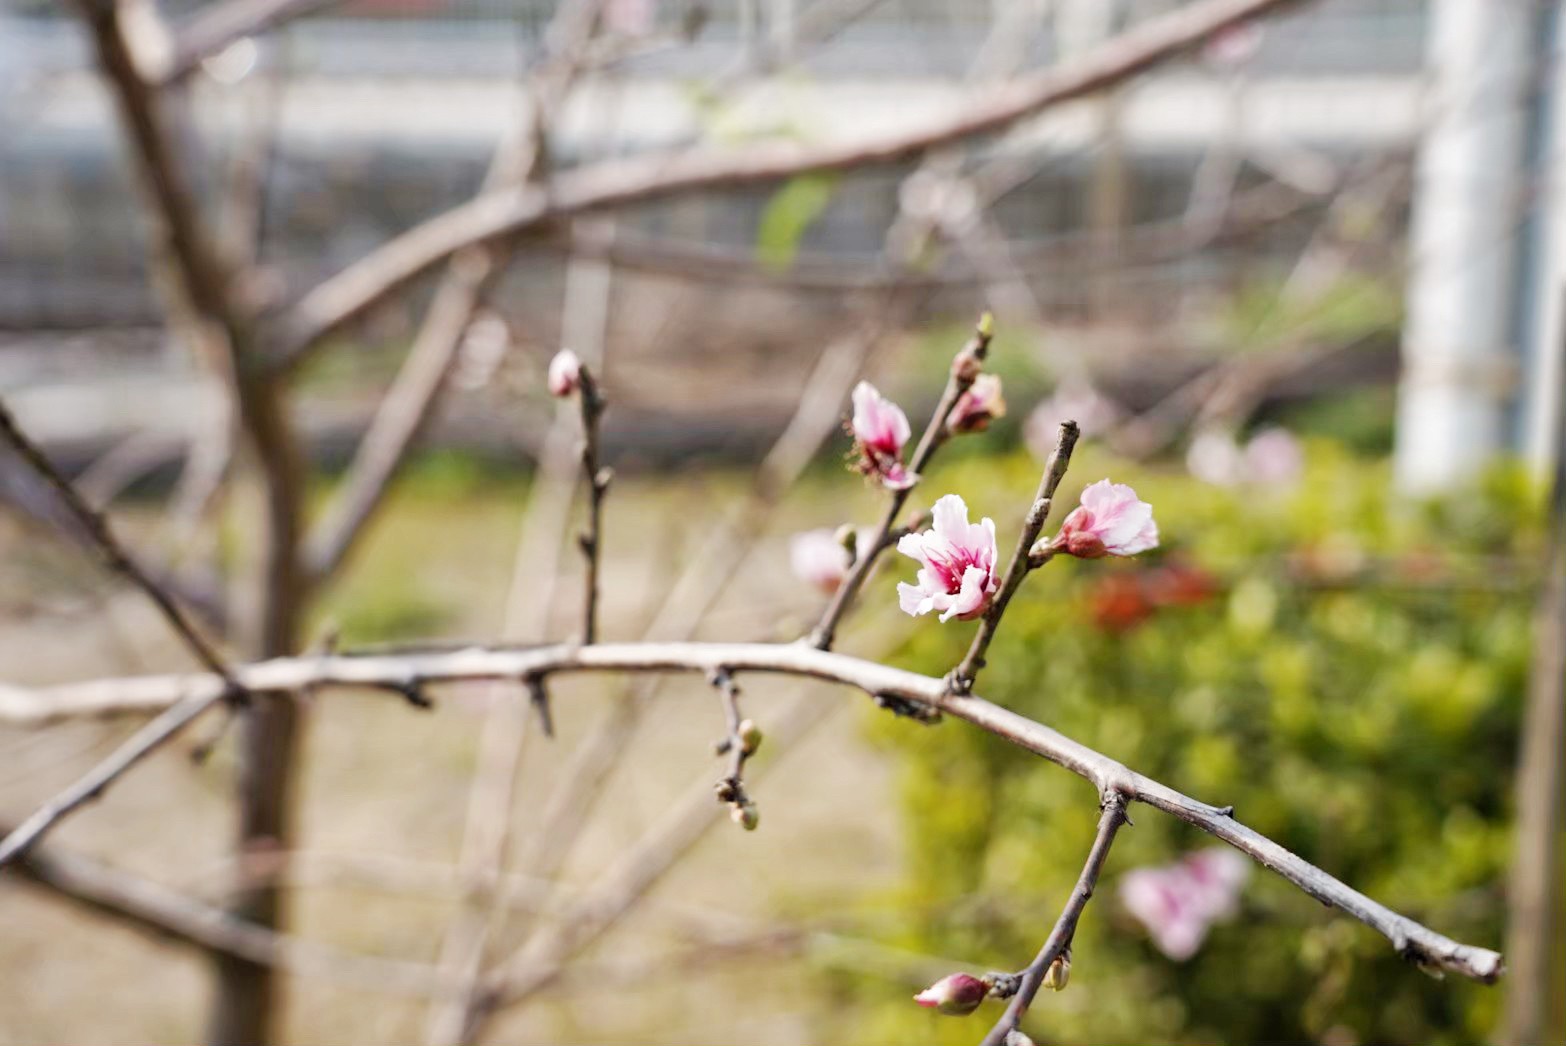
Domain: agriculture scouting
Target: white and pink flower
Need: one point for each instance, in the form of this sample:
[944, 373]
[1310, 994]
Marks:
[1111, 521]
[819, 558]
[565, 373]
[1178, 903]
[955, 995]
[880, 431]
[980, 404]
[957, 564]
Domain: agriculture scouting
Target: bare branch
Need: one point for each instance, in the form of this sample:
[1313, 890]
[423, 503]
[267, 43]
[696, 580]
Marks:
[211, 30]
[115, 555]
[384, 671]
[592, 403]
[346, 296]
[156, 909]
[1023, 558]
[1059, 941]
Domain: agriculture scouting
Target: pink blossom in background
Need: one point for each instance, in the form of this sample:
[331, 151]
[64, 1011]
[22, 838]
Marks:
[880, 431]
[1214, 457]
[981, 404]
[819, 558]
[957, 564]
[630, 17]
[955, 995]
[1178, 903]
[1274, 458]
[1075, 401]
[1235, 46]
[565, 373]
[1111, 521]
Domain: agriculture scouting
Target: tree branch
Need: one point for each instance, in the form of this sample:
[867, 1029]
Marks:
[212, 29]
[597, 477]
[1022, 559]
[158, 910]
[348, 295]
[1059, 940]
[389, 672]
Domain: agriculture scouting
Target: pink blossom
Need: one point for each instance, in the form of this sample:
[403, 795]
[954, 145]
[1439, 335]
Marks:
[1075, 401]
[819, 558]
[630, 17]
[1273, 458]
[957, 574]
[565, 373]
[979, 405]
[880, 431]
[1235, 46]
[1109, 522]
[1179, 902]
[955, 995]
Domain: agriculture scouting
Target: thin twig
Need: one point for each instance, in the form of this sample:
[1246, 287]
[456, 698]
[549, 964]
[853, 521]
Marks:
[739, 744]
[598, 477]
[1415, 942]
[114, 553]
[215, 27]
[1059, 940]
[156, 733]
[1023, 559]
[935, 433]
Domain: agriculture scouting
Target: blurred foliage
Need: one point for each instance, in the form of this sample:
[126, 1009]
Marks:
[788, 215]
[1268, 313]
[1350, 676]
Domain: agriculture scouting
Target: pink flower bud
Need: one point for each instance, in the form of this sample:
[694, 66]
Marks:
[955, 995]
[957, 564]
[1109, 522]
[565, 373]
[978, 406]
[880, 431]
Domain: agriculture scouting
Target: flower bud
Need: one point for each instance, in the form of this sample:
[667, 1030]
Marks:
[565, 373]
[978, 406]
[1016, 1037]
[750, 737]
[746, 815]
[848, 537]
[955, 995]
[1058, 974]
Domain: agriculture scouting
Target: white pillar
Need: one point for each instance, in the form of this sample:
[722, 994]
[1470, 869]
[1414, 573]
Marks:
[1544, 389]
[1459, 366]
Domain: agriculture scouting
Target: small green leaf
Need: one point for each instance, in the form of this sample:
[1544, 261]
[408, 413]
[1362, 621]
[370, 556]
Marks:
[790, 212]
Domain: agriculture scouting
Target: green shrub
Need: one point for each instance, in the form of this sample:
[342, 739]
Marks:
[1353, 685]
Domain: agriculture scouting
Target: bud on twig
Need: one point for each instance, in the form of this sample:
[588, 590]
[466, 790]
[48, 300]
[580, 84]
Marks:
[565, 373]
[955, 995]
[750, 736]
[746, 815]
[1059, 973]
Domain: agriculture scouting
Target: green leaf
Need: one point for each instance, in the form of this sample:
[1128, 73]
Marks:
[790, 212]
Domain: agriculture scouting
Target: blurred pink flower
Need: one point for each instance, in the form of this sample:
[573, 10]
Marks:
[1109, 522]
[957, 573]
[955, 995]
[819, 558]
[1178, 903]
[1273, 457]
[630, 17]
[1072, 401]
[981, 404]
[1235, 46]
[565, 373]
[880, 431]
